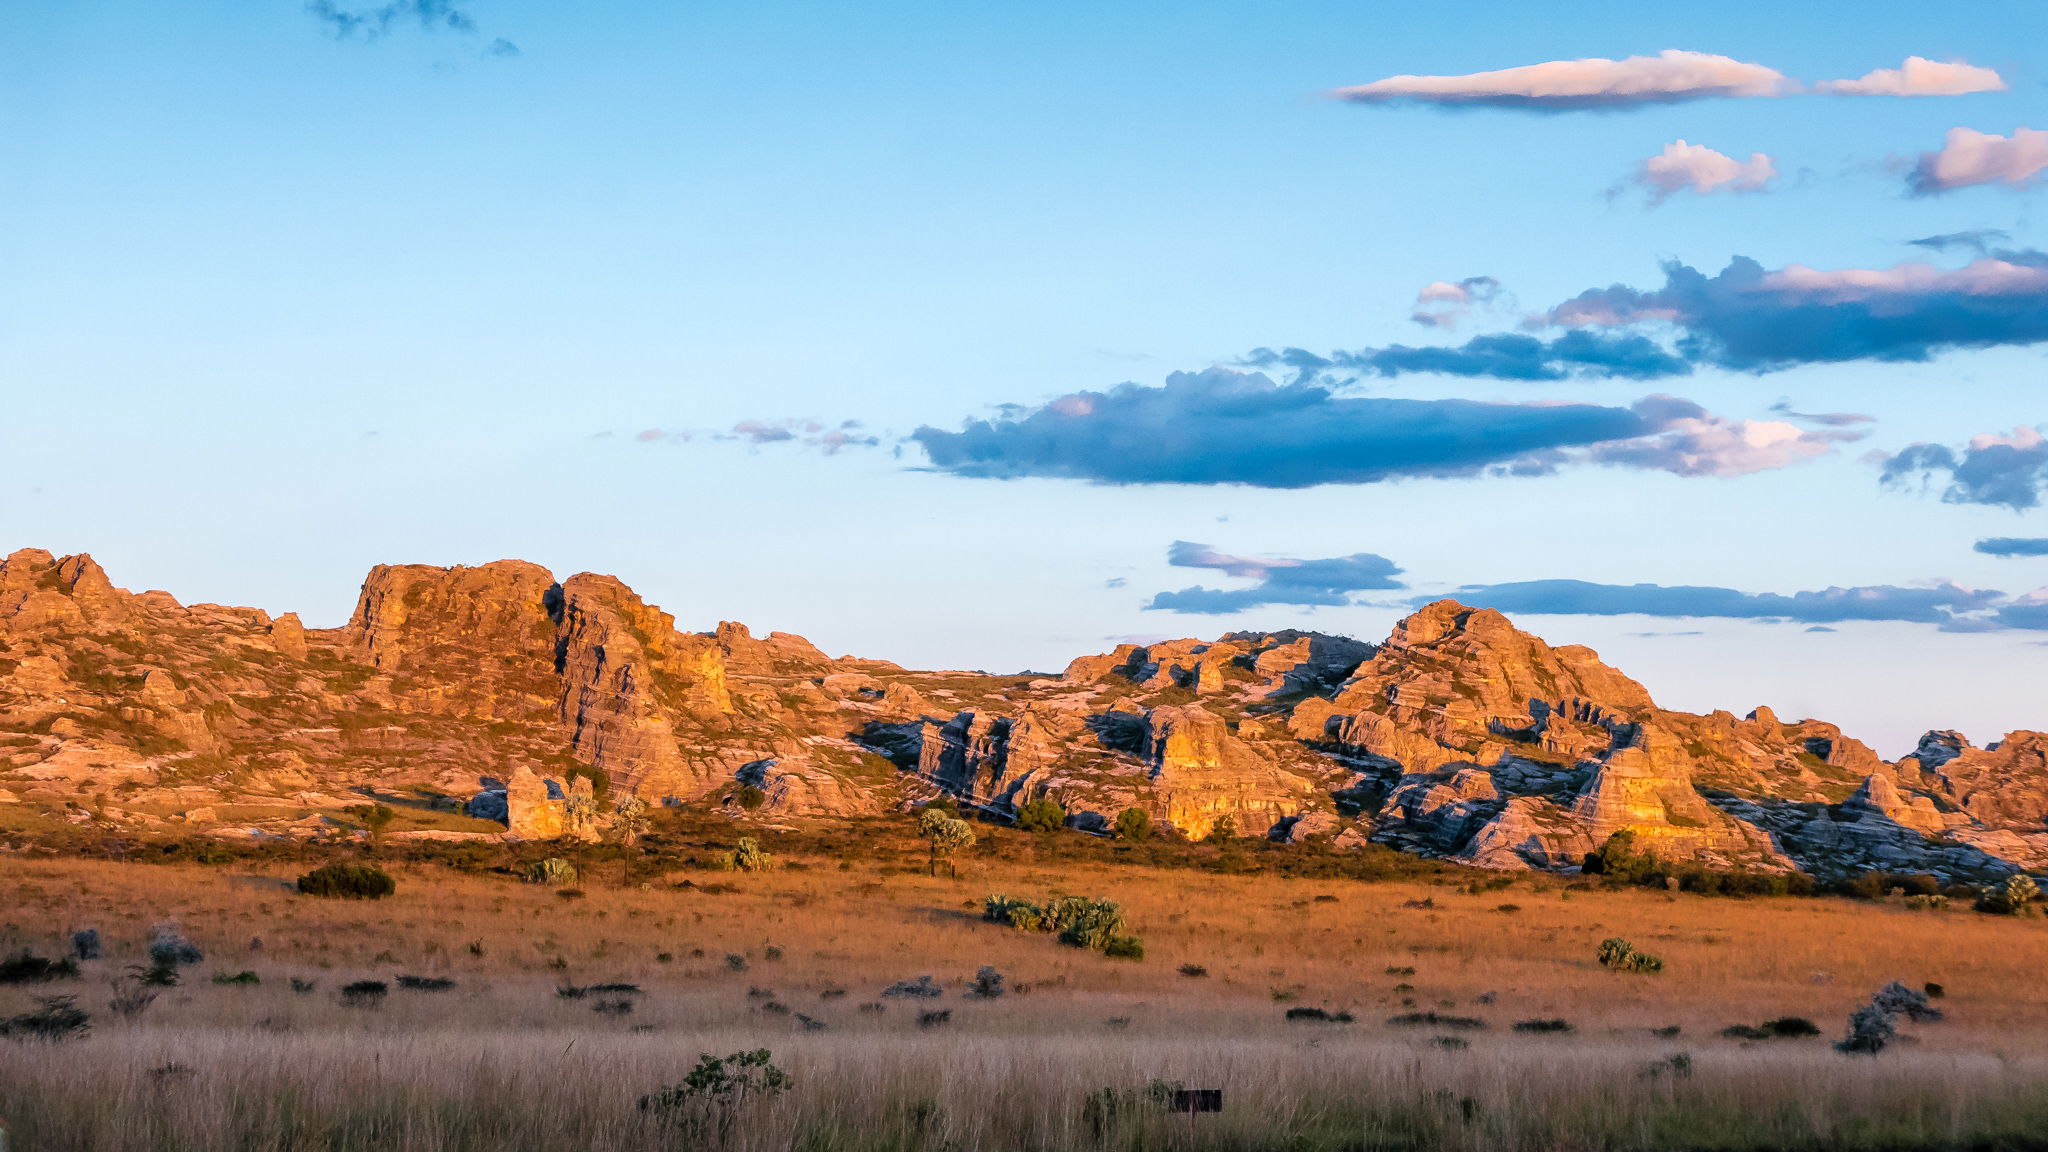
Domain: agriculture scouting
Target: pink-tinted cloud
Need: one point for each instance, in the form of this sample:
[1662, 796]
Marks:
[1444, 304]
[1969, 157]
[1709, 445]
[1561, 85]
[1918, 76]
[1683, 166]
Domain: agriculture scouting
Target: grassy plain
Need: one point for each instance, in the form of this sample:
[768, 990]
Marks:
[502, 1061]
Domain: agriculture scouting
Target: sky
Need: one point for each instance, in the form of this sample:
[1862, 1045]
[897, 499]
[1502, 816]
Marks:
[986, 336]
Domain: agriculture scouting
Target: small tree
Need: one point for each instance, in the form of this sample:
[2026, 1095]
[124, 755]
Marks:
[711, 1098]
[1134, 824]
[553, 871]
[747, 856]
[946, 834]
[374, 818]
[1041, 815]
[629, 819]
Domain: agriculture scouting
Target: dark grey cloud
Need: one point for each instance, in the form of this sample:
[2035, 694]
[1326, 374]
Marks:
[1749, 319]
[374, 23]
[2008, 471]
[2010, 546]
[1228, 427]
[1977, 240]
[1500, 355]
[1940, 604]
[1328, 582]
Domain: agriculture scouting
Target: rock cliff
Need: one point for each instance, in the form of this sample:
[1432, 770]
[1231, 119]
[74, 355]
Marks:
[506, 693]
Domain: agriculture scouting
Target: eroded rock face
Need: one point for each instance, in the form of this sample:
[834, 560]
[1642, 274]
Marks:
[1460, 736]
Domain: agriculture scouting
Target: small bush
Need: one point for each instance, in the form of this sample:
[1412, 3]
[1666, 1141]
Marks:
[425, 983]
[55, 1018]
[85, 944]
[1436, 1020]
[241, 978]
[922, 988]
[1195, 970]
[751, 798]
[364, 993]
[302, 987]
[1791, 1027]
[747, 856]
[1124, 948]
[29, 968]
[935, 1018]
[712, 1097]
[2012, 897]
[1619, 954]
[1542, 1026]
[1134, 825]
[988, 983]
[1318, 1016]
[1041, 815]
[553, 871]
[735, 962]
[348, 882]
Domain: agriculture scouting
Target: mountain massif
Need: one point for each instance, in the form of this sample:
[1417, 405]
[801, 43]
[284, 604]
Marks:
[504, 692]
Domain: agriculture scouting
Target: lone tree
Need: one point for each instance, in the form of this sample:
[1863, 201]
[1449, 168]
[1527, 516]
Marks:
[1134, 824]
[1041, 815]
[947, 836]
[373, 817]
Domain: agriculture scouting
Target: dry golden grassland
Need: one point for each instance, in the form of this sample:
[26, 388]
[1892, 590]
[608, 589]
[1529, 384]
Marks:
[501, 1061]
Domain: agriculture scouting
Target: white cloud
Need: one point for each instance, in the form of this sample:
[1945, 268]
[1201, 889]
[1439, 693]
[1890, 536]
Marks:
[1919, 76]
[1968, 157]
[1681, 166]
[1557, 85]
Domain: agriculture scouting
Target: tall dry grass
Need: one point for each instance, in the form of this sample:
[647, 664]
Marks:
[502, 1062]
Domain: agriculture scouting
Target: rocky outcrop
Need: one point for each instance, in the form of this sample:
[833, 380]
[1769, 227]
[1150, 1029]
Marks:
[1460, 736]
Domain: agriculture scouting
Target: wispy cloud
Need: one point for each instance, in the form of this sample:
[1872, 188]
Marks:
[1968, 157]
[801, 431]
[1977, 240]
[1941, 602]
[375, 23]
[1918, 76]
[1331, 582]
[1595, 82]
[1683, 167]
[1445, 303]
[1495, 355]
[1228, 427]
[2009, 471]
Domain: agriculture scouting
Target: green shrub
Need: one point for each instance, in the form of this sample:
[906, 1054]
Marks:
[1223, 831]
[711, 1099]
[553, 871]
[1041, 815]
[751, 798]
[364, 993]
[1124, 948]
[747, 856]
[1076, 920]
[1620, 954]
[244, 977]
[348, 882]
[55, 1018]
[1134, 825]
[2013, 897]
[29, 968]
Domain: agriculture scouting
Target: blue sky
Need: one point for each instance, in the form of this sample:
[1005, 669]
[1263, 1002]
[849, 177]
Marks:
[280, 304]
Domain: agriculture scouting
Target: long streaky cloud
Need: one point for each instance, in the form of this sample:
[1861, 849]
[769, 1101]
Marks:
[1918, 76]
[1943, 603]
[1595, 82]
[1228, 427]
[1331, 582]
[1968, 157]
[2007, 547]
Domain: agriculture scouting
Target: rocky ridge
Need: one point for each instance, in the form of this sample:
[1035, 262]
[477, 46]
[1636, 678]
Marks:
[502, 692]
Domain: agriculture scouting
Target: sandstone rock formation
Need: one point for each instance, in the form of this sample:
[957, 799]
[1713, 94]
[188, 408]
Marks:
[503, 687]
